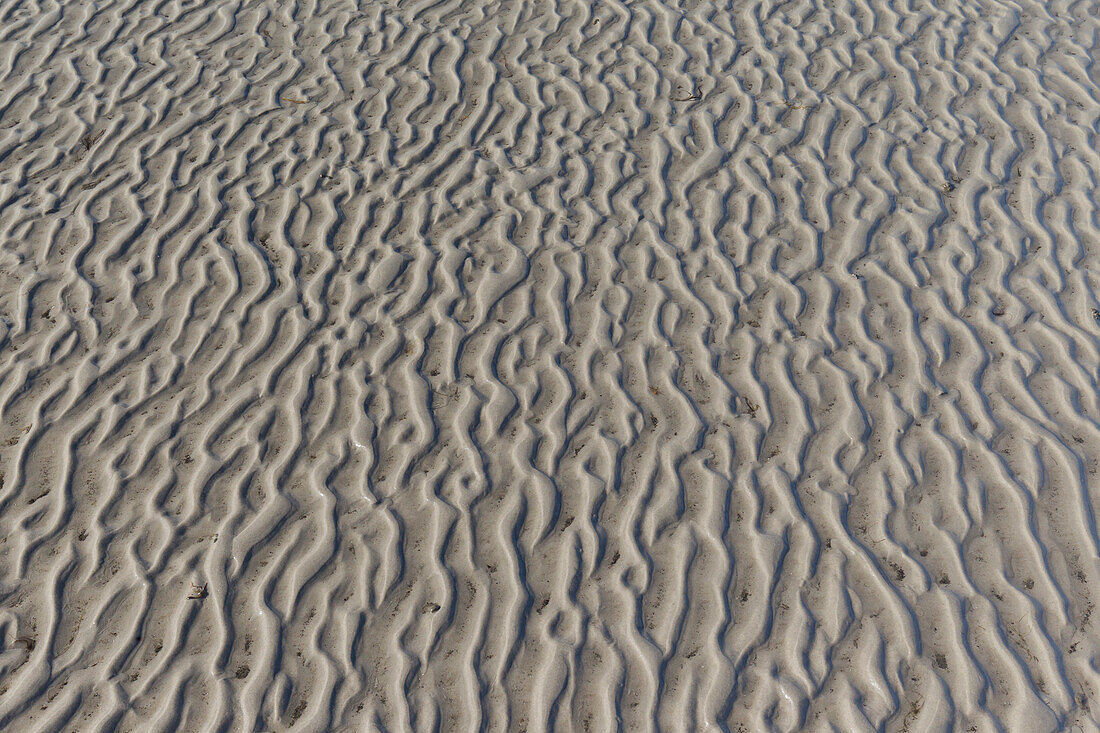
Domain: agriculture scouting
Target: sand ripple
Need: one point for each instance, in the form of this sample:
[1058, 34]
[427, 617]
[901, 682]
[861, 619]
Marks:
[549, 364]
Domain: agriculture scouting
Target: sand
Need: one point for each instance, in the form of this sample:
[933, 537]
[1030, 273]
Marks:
[549, 364]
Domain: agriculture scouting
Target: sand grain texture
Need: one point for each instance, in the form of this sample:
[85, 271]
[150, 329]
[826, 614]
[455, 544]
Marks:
[542, 364]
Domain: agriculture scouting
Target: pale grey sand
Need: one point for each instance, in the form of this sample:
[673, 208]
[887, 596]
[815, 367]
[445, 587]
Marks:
[531, 365]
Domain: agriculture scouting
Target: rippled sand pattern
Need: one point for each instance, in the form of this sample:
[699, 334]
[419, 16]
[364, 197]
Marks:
[544, 364]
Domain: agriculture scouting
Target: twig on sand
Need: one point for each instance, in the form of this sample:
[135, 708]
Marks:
[294, 101]
[89, 140]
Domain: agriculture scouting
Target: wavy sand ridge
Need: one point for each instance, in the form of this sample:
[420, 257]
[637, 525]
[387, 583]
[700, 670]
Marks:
[541, 364]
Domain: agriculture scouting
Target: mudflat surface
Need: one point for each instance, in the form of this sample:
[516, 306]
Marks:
[535, 365]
